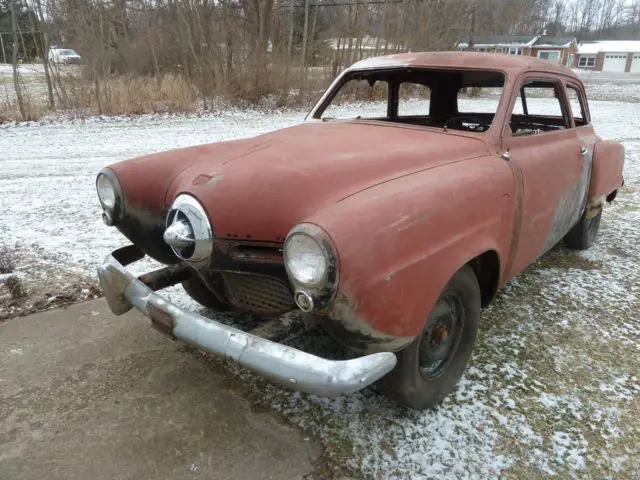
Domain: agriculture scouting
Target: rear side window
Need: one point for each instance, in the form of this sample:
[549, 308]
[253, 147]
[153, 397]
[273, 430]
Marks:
[578, 109]
[540, 107]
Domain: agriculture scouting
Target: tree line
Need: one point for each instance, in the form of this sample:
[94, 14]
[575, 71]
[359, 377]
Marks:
[252, 48]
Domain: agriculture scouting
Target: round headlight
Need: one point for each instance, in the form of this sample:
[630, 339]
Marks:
[106, 192]
[306, 261]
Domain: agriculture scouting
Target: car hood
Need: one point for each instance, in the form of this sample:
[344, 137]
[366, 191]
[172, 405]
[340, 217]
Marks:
[261, 187]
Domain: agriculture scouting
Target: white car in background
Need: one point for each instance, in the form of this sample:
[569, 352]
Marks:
[64, 56]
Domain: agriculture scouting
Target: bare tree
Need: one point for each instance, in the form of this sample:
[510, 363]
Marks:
[45, 53]
[14, 61]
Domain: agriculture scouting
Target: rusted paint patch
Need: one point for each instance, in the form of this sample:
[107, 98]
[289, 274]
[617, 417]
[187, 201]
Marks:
[348, 328]
[201, 179]
[517, 216]
[409, 221]
[594, 207]
[204, 179]
[570, 207]
[162, 321]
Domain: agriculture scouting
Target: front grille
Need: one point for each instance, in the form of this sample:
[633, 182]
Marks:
[259, 294]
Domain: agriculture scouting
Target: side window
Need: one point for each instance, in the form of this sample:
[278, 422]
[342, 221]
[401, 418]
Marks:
[413, 99]
[539, 108]
[577, 106]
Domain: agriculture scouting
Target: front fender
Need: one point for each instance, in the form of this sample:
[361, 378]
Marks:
[399, 244]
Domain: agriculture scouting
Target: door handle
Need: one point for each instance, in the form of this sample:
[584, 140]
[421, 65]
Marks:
[584, 151]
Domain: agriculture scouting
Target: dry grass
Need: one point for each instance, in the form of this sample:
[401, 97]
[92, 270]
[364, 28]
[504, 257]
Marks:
[79, 94]
[116, 95]
[121, 95]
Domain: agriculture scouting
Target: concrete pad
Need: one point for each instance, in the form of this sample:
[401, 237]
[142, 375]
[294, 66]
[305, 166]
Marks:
[88, 395]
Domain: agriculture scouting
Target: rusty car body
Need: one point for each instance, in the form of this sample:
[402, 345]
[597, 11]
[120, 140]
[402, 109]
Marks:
[393, 228]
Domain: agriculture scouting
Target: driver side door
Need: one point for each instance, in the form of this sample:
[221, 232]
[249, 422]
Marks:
[540, 143]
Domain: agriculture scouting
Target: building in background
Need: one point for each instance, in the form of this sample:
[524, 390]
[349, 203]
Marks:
[546, 47]
[609, 56]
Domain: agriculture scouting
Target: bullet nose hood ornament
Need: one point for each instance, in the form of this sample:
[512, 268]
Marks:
[179, 234]
[188, 230]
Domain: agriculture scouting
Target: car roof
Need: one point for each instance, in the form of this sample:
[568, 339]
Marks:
[513, 64]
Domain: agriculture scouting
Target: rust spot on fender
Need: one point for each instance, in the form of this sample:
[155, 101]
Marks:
[204, 179]
[201, 179]
[409, 221]
[346, 326]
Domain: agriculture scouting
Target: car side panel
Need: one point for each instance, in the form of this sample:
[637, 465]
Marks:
[400, 242]
[554, 179]
[608, 162]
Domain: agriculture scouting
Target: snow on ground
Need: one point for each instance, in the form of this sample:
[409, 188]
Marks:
[553, 384]
[6, 69]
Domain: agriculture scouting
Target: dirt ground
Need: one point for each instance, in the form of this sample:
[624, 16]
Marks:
[87, 395]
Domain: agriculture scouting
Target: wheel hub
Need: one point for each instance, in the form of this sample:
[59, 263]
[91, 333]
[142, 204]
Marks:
[441, 336]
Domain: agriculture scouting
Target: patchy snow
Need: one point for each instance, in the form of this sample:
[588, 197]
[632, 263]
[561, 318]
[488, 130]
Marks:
[6, 69]
[552, 387]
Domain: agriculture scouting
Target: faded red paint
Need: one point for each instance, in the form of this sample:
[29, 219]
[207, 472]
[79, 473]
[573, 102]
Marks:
[608, 159]
[285, 176]
[406, 206]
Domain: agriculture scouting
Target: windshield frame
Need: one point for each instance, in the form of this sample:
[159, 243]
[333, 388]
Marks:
[349, 74]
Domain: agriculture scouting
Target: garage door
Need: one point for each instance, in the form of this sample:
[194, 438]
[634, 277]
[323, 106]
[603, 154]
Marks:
[614, 62]
[635, 64]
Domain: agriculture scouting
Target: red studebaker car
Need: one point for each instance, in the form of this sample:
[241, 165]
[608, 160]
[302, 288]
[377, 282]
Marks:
[416, 187]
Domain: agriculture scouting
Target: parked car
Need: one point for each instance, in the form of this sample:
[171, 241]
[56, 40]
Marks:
[64, 56]
[392, 214]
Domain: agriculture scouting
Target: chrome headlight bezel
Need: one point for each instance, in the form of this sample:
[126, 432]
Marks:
[113, 211]
[187, 210]
[323, 289]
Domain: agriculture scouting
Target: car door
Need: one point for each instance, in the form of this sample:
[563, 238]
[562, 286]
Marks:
[540, 143]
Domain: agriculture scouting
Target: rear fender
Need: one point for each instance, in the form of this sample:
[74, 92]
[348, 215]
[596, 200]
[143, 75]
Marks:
[606, 173]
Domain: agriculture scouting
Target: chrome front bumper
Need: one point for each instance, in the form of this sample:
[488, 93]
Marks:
[282, 364]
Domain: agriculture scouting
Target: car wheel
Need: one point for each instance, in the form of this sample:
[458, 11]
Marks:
[430, 367]
[197, 290]
[584, 233]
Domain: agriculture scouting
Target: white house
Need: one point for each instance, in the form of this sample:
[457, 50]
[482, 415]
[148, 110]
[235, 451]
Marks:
[609, 56]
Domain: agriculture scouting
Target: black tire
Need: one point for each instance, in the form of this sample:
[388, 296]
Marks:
[413, 382]
[197, 290]
[584, 233]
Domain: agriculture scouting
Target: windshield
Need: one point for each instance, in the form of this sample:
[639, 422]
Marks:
[458, 99]
[67, 52]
